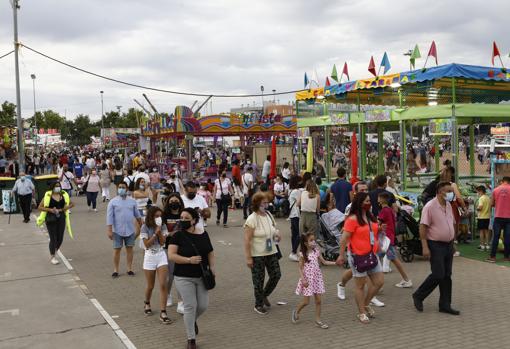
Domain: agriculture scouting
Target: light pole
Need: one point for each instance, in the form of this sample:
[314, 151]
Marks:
[274, 96]
[19, 120]
[102, 117]
[262, 91]
[35, 116]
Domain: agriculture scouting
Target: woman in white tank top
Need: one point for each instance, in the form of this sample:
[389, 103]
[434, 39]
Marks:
[309, 202]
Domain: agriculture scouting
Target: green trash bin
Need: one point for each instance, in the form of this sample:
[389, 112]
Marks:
[42, 185]
[6, 185]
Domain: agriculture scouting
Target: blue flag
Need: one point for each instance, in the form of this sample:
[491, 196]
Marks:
[385, 63]
[306, 80]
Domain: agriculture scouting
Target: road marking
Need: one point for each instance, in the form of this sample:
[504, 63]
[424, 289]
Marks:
[13, 312]
[122, 336]
[6, 275]
[65, 261]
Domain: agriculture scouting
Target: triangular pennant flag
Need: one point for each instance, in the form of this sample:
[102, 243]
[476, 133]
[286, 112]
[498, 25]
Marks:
[345, 71]
[306, 80]
[371, 66]
[415, 55]
[327, 81]
[433, 51]
[385, 62]
[334, 74]
[495, 51]
[315, 77]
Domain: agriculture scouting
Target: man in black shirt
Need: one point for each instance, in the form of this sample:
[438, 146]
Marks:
[381, 182]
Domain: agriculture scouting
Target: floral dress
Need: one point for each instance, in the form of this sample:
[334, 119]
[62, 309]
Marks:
[313, 274]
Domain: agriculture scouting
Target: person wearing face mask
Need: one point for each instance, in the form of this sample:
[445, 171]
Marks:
[106, 180]
[54, 208]
[223, 193]
[172, 209]
[192, 251]
[141, 195]
[155, 182]
[360, 235]
[142, 174]
[92, 188]
[195, 201]
[437, 232]
[260, 240]
[24, 188]
[176, 182]
[120, 216]
[66, 179]
[155, 263]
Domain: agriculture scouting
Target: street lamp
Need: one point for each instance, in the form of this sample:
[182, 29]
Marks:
[262, 91]
[274, 96]
[102, 117]
[35, 116]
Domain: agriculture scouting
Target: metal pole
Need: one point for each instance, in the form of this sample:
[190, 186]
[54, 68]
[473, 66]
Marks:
[102, 118]
[363, 146]
[380, 149]
[437, 156]
[403, 151]
[327, 139]
[471, 150]
[19, 120]
[35, 116]
[455, 135]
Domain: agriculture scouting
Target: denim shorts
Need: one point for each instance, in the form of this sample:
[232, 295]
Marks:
[391, 254]
[357, 274]
[119, 241]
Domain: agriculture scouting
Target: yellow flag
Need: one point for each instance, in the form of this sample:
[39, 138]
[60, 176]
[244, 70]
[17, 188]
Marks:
[309, 156]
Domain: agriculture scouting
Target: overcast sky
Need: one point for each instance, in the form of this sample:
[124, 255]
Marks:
[227, 46]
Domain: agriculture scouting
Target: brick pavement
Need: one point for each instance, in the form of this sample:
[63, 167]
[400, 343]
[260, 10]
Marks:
[480, 292]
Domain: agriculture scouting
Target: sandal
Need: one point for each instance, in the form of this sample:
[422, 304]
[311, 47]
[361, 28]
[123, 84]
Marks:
[321, 324]
[147, 308]
[295, 317]
[131, 273]
[370, 311]
[115, 275]
[164, 318]
[363, 318]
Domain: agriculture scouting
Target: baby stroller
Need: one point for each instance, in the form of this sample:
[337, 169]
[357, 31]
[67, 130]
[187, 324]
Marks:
[79, 187]
[329, 234]
[408, 236]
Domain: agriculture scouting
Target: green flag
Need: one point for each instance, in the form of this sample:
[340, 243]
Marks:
[416, 54]
[334, 74]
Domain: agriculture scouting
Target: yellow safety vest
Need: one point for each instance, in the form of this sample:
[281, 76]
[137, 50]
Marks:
[46, 203]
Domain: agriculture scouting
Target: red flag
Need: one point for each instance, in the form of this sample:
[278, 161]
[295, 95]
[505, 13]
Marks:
[371, 66]
[346, 71]
[433, 51]
[272, 172]
[327, 81]
[495, 51]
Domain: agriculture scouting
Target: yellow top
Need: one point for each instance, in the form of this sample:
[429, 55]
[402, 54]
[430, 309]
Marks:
[484, 205]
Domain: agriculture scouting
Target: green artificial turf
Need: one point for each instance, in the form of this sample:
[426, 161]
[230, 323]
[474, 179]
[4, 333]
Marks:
[470, 251]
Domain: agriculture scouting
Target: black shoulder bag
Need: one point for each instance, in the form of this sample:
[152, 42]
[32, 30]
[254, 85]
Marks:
[225, 198]
[207, 275]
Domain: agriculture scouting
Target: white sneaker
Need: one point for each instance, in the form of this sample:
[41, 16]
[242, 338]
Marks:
[294, 257]
[376, 302]
[169, 300]
[180, 308]
[95, 210]
[404, 284]
[340, 290]
[456, 254]
[54, 261]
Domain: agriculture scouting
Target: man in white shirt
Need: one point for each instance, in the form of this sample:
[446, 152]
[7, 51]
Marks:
[197, 202]
[141, 174]
[266, 168]
[248, 186]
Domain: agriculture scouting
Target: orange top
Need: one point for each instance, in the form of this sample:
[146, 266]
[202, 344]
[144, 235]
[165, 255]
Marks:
[360, 236]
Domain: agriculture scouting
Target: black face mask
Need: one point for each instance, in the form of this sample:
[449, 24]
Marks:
[185, 225]
[191, 196]
[175, 206]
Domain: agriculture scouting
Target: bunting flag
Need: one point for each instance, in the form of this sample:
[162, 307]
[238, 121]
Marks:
[334, 74]
[345, 72]
[415, 55]
[307, 82]
[327, 81]
[495, 51]
[315, 78]
[371, 66]
[433, 51]
[385, 62]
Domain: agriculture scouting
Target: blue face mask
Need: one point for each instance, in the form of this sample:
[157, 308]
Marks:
[449, 197]
[122, 192]
[23, 178]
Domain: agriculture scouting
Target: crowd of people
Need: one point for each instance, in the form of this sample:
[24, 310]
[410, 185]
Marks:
[169, 216]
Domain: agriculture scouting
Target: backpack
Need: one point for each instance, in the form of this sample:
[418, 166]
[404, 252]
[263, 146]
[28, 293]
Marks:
[131, 186]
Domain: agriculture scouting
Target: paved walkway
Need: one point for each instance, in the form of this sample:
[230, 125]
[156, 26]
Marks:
[43, 305]
[480, 292]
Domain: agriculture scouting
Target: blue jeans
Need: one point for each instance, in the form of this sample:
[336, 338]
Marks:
[501, 223]
[92, 199]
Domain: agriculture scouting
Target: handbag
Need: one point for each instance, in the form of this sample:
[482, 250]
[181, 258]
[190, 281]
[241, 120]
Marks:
[85, 186]
[278, 251]
[251, 191]
[368, 261]
[224, 197]
[207, 275]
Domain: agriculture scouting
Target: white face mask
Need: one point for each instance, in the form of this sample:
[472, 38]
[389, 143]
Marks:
[449, 197]
[158, 221]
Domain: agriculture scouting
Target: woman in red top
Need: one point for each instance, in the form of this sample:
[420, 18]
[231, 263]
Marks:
[360, 236]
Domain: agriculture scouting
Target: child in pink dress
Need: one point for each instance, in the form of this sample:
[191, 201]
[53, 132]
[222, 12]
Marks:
[311, 282]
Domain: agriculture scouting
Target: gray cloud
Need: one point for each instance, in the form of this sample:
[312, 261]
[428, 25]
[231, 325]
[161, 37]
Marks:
[228, 46]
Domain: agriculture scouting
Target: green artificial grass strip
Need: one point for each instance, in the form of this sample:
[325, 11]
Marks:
[470, 251]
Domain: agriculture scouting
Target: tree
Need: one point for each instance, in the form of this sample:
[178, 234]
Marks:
[82, 129]
[8, 114]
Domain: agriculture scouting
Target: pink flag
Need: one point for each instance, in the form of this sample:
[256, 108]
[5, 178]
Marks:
[433, 51]
[371, 66]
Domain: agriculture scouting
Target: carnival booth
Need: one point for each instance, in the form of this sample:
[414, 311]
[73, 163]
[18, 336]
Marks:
[445, 106]
[176, 132]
